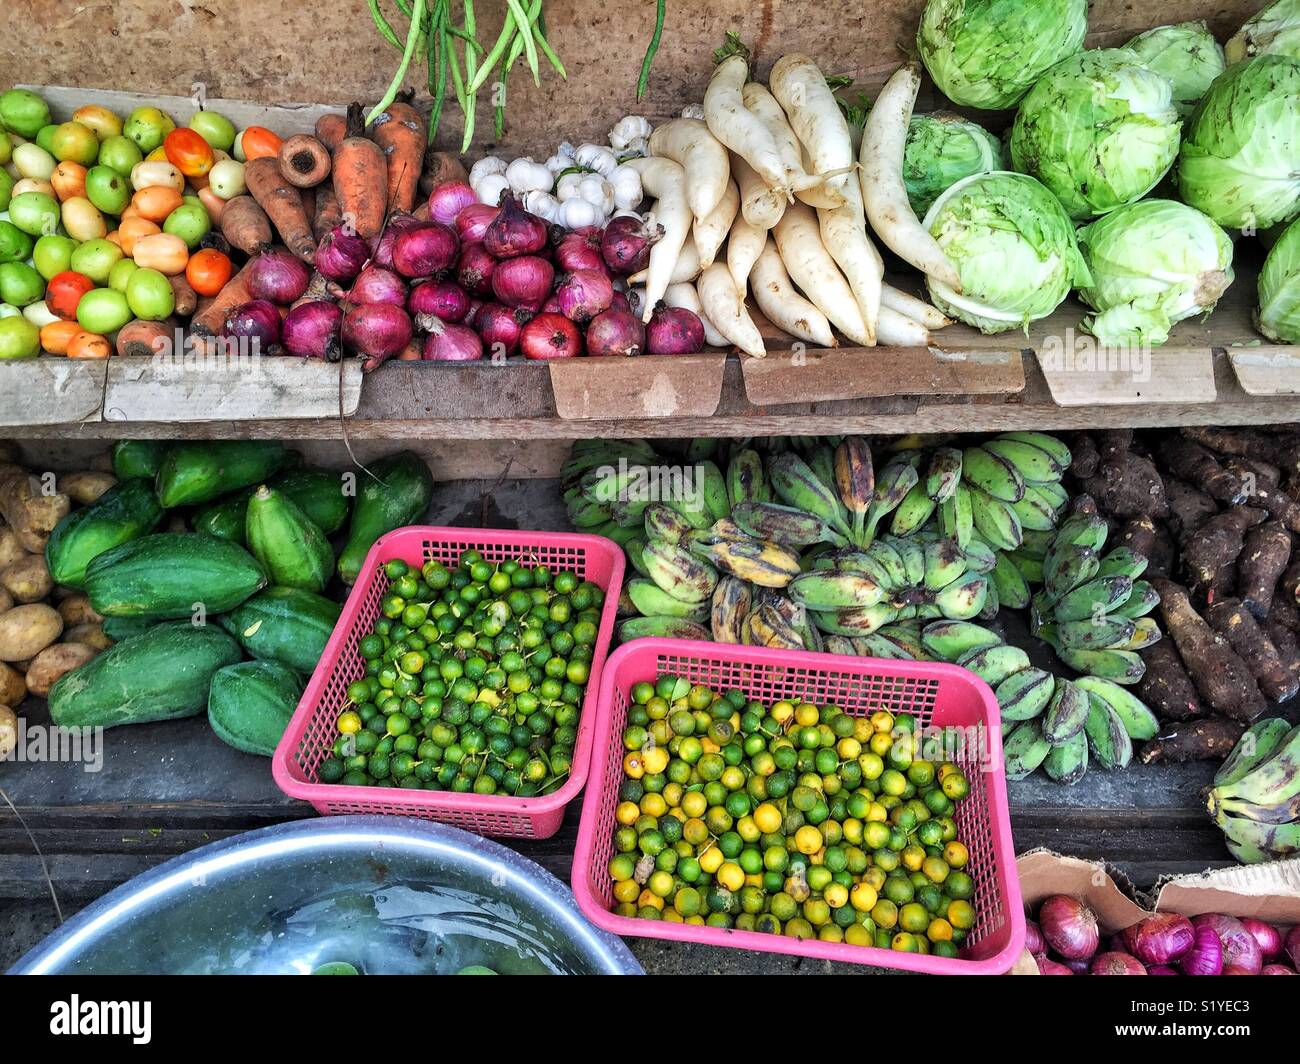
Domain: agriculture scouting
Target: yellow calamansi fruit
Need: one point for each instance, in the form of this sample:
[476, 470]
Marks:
[349, 723]
[731, 875]
[768, 818]
[626, 813]
[654, 760]
[633, 765]
[882, 721]
[711, 860]
[863, 897]
[808, 840]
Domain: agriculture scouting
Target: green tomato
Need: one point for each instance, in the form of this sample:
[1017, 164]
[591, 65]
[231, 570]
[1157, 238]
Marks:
[75, 143]
[6, 148]
[20, 284]
[190, 222]
[96, 259]
[147, 126]
[35, 213]
[23, 112]
[103, 311]
[216, 129]
[31, 160]
[19, 338]
[15, 245]
[45, 137]
[6, 188]
[149, 295]
[53, 254]
[108, 189]
[120, 274]
[121, 153]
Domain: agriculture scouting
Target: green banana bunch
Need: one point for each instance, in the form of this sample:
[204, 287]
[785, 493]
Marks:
[1255, 796]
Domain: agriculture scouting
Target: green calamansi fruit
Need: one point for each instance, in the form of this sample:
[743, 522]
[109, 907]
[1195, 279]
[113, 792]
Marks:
[1187, 54]
[1240, 159]
[1099, 130]
[987, 53]
[1278, 316]
[1013, 247]
[1274, 30]
[942, 149]
[23, 112]
[1153, 264]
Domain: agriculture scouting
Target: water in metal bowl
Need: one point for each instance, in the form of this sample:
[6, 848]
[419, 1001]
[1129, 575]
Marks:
[385, 895]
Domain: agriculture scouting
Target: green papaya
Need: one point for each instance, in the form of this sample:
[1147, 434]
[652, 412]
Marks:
[138, 458]
[284, 624]
[319, 494]
[125, 512]
[294, 552]
[195, 472]
[250, 704]
[397, 494]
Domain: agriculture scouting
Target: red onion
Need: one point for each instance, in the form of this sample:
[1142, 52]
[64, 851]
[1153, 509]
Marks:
[393, 228]
[277, 276]
[1161, 969]
[1291, 946]
[1116, 964]
[475, 269]
[1240, 950]
[674, 331]
[514, 231]
[550, 336]
[580, 250]
[1268, 937]
[523, 281]
[376, 332]
[1047, 966]
[1206, 955]
[341, 254]
[471, 315]
[620, 302]
[258, 321]
[1237, 969]
[1276, 969]
[1077, 965]
[625, 244]
[501, 325]
[551, 306]
[448, 342]
[310, 329]
[1160, 939]
[425, 250]
[583, 294]
[615, 332]
[473, 221]
[1068, 925]
[378, 285]
[1034, 941]
[447, 200]
[440, 299]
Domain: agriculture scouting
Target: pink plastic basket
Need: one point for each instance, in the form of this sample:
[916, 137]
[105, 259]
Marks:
[938, 695]
[311, 731]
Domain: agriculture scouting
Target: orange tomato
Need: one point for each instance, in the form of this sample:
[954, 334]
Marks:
[57, 336]
[258, 141]
[89, 345]
[133, 229]
[164, 252]
[115, 237]
[208, 271]
[188, 152]
[64, 292]
[129, 212]
[68, 180]
[156, 202]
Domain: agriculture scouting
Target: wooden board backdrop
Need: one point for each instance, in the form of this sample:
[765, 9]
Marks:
[290, 51]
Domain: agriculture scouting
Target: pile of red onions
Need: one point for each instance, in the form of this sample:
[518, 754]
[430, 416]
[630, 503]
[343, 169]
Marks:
[1066, 941]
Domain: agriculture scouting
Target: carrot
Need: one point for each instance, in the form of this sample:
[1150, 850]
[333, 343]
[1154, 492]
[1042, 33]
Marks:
[245, 225]
[211, 314]
[143, 339]
[304, 161]
[439, 168]
[283, 205]
[186, 298]
[361, 179]
[331, 129]
[328, 214]
[400, 132]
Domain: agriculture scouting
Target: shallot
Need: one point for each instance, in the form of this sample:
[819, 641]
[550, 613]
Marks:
[376, 332]
[524, 281]
[341, 255]
[615, 332]
[444, 300]
[1069, 927]
[277, 276]
[514, 231]
[583, 294]
[447, 201]
[550, 336]
[425, 250]
[448, 342]
[309, 329]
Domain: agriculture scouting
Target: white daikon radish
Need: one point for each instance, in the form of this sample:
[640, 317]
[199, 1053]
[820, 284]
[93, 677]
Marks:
[763, 103]
[883, 141]
[684, 295]
[914, 308]
[744, 246]
[844, 232]
[761, 206]
[687, 267]
[711, 231]
[725, 307]
[732, 122]
[702, 156]
[810, 265]
[897, 330]
[815, 116]
[665, 180]
[784, 307]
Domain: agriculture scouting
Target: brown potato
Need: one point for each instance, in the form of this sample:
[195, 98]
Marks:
[90, 634]
[27, 580]
[10, 549]
[13, 688]
[27, 630]
[6, 600]
[8, 731]
[53, 662]
[30, 512]
[76, 609]
[85, 488]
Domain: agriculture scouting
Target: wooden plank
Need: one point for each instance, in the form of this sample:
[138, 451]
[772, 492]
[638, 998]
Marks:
[50, 391]
[1267, 370]
[234, 389]
[654, 386]
[1095, 377]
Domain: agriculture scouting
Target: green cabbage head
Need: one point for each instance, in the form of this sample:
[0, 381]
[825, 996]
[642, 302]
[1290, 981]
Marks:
[1278, 316]
[987, 53]
[942, 149]
[1187, 54]
[1240, 160]
[1013, 246]
[1153, 264]
[1099, 129]
[1276, 29]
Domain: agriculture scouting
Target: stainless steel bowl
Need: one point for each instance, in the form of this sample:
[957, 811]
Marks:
[388, 895]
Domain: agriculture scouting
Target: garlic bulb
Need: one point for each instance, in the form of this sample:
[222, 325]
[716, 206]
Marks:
[598, 192]
[626, 184]
[628, 129]
[577, 213]
[485, 168]
[542, 204]
[595, 157]
[525, 175]
[490, 188]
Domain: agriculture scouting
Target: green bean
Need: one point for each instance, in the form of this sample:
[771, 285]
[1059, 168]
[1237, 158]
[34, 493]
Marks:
[530, 51]
[644, 80]
[540, 33]
[470, 70]
[494, 56]
[437, 68]
[412, 36]
[382, 24]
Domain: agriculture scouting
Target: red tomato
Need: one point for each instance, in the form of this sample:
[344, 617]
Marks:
[258, 141]
[188, 152]
[64, 292]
